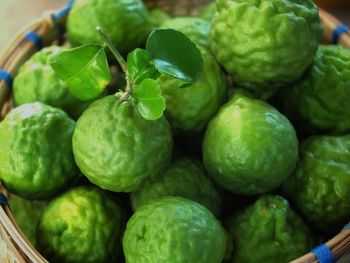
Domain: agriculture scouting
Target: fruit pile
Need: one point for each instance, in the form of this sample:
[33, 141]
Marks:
[156, 139]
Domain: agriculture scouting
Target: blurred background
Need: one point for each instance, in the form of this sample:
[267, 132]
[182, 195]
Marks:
[15, 14]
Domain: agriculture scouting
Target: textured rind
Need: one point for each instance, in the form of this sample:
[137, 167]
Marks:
[186, 178]
[208, 11]
[265, 43]
[82, 225]
[27, 214]
[117, 149]
[36, 157]
[195, 28]
[174, 230]
[126, 22]
[189, 108]
[249, 147]
[37, 81]
[319, 101]
[268, 231]
[320, 185]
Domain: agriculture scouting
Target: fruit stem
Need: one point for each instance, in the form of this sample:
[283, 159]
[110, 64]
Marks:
[114, 50]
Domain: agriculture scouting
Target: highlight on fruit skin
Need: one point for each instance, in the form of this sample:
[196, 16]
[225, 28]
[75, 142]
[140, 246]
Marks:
[84, 224]
[36, 156]
[249, 147]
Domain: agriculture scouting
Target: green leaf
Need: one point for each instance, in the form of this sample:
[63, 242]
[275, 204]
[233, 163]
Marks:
[175, 54]
[150, 102]
[85, 69]
[140, 66]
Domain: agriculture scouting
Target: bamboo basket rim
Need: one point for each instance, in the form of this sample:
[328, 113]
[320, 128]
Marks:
[49, 28]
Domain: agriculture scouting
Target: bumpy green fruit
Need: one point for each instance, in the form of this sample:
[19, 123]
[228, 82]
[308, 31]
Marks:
[195, 28]
[117, 149]
[185, 178]
[208, 11]
[82, 225]
[319, 101]
[36, 157]
[265, 44]
[249, 147]
[268, 231]
[190, 107]
[174, 230]
[158, 17]
[321, 183]
[27, 214]
[37, 81]
[126, 22]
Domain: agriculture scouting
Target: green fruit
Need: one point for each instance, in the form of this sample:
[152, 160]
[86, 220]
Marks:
[319, 101]
[158, 17]
[196, 29]
[189, 107]
[174, 230]
[27, 214]
[249, 147]
[82, 225]
[265, 44]
[117, 149]
[185, 178]
[127, 22]
[268, 231]
[208, 11]
[36, 157]
[37, 81]
[320, 186]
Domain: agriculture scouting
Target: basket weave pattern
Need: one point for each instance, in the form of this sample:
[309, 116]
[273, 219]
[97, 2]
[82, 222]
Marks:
[14, 246]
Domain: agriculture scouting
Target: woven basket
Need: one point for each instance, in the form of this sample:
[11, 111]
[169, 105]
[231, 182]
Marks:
[14, 247]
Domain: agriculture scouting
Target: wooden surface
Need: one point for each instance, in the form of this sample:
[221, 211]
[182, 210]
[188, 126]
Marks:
[15, 14]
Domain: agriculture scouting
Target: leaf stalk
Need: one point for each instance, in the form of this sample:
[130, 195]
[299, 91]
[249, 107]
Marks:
[114, 50]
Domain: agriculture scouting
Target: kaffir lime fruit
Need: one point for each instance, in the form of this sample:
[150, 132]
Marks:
[208, 11]
[82, 225]
[37, 81]
[320, 185]
[268, 231]
[265, 44]
[117, 149]
[189, 107]
[36, 157]
[126, 21]
[249, 147]
[158, 17]
[174, 230]
[319, 101]
[27, 214]
[186, 178]
[195, 28]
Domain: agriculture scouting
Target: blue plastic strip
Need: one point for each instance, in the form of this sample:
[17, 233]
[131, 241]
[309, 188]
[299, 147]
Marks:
[35, 38]
[64, 11]
[3, 199]
[347, 226]
[323, 254]
[338, 32]
[4, 75]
